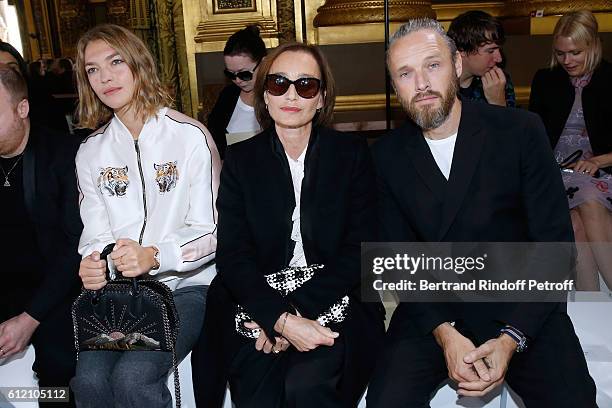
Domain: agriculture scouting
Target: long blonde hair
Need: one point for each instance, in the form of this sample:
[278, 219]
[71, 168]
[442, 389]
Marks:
[149, 94]
[581, 26]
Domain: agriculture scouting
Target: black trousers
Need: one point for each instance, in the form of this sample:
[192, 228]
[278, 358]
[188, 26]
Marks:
[55, 361]
[551, 373]
[288, 379]
[309, 379]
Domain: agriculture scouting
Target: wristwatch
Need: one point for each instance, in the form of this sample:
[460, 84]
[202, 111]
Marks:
[156, 259]
[517, 336]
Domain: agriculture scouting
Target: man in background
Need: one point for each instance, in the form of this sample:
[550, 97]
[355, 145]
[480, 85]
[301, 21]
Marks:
[479, 38]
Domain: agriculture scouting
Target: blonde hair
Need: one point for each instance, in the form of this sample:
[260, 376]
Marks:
[581, 26]
[149, 94]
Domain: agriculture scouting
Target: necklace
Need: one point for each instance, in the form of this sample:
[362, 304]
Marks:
[6, 175]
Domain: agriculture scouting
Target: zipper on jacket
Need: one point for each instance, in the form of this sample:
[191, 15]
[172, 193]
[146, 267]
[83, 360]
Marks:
[144, 191]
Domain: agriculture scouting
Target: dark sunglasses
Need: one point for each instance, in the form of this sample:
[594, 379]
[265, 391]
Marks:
[242, 75]
[278, 85]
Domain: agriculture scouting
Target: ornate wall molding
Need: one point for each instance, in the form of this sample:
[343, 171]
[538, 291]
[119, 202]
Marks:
[524, 8]
[342, 12]
[448, 11]
[218, 19]
[208, 31]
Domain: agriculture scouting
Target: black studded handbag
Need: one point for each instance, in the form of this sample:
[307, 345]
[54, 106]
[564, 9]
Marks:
[127, 314]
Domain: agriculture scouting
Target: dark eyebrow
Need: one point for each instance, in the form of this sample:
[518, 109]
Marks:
[301, 75]
[110, 57]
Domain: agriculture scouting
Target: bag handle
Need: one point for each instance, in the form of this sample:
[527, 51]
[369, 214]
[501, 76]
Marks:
[572, 158]
[104, 256]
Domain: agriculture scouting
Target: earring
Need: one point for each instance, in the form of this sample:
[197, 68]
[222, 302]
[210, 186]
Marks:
[266, 106]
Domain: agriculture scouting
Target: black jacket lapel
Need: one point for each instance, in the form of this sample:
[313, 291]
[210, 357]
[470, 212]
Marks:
[29, 175]
[285, 190]
[466, 156]
[423, 161]
[309, 186]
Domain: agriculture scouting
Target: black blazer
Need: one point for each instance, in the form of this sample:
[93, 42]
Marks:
[220, 116]
[51, 197]
[255, 205]
[504, 186]
[552, 97]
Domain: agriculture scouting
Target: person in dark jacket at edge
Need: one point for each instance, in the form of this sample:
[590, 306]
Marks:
[41, 225]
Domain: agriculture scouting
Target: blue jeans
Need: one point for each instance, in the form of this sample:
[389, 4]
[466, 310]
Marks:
[138, 379]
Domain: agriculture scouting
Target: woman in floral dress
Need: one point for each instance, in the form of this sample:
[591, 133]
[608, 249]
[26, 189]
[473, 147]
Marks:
[573, 99]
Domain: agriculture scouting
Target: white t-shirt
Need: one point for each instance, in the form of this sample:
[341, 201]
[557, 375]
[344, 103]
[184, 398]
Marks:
[242, 122]
[297, 175]
[442, 151]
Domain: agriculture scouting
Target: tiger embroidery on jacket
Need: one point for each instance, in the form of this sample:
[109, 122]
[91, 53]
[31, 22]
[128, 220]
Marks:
[113, 181]
[166, 175]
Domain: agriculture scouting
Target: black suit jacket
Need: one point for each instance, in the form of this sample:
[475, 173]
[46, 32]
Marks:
[221, 115]
[504, 186]
[256, 202]
[51, 197]
[552, 97]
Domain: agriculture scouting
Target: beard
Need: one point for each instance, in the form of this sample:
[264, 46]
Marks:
[428, 117]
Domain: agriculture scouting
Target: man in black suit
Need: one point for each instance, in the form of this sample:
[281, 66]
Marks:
[41, 227]
[464, 172]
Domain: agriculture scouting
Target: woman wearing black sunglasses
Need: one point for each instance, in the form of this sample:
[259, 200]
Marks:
[233, 113]
[295, 196]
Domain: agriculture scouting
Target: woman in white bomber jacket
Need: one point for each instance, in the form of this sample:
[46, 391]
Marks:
[148, 181]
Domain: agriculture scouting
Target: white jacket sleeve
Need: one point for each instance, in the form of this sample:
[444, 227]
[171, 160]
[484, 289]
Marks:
[195, 244]
[96, 225]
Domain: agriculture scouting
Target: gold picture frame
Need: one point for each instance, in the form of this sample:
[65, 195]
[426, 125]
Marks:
[233, 6]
